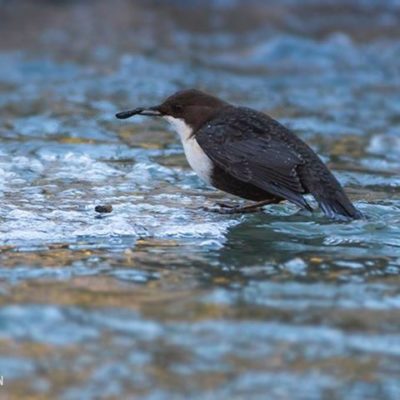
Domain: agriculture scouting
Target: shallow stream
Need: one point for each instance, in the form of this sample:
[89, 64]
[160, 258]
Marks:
[160, 299]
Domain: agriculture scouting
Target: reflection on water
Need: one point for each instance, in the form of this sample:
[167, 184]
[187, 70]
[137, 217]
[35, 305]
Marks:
[160, 299]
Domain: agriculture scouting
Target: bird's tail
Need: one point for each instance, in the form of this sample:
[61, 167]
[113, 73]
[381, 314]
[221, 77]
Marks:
[329, 194]
[336, 205]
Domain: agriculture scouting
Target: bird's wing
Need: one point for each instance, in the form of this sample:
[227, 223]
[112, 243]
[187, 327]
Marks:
[250, 149]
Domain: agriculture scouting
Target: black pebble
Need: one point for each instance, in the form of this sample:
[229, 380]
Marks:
[103, 209]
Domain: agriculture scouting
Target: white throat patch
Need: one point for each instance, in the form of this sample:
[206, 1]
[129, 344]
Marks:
[195, 155]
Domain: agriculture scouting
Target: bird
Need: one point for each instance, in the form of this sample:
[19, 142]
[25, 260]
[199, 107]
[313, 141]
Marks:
[247, 153]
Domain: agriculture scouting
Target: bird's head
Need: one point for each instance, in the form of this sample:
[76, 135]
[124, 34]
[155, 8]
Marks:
[190, 107]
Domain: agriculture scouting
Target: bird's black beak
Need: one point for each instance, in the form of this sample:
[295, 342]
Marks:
[150, 112]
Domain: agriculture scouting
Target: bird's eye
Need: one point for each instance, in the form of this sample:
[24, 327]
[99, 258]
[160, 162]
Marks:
[177, 108]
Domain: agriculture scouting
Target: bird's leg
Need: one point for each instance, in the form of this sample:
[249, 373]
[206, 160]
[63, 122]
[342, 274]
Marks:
[250, 208]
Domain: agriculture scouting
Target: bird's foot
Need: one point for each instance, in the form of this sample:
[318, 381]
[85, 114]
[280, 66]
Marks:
[225, 205]
[223, 208]
[229, 210]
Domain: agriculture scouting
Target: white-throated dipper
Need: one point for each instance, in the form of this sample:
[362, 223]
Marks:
[247, 153]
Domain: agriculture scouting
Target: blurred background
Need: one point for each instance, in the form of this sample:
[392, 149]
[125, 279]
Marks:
[159, 299]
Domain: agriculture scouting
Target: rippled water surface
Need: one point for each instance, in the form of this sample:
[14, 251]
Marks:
[161, 299]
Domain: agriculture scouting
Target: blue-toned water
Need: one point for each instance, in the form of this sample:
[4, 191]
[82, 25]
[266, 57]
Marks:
[160, 299]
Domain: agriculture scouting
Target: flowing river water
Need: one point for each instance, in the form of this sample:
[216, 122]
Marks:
[160, 299]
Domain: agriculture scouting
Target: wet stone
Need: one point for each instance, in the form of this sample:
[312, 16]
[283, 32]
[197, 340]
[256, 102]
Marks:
[104, 209]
